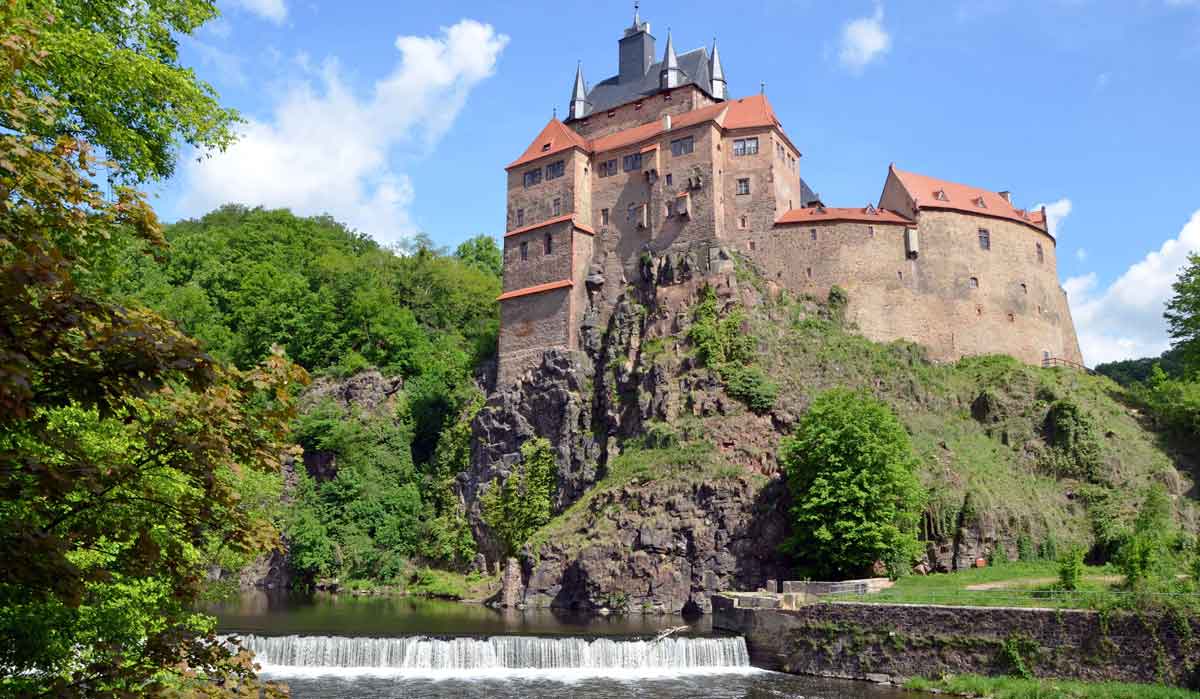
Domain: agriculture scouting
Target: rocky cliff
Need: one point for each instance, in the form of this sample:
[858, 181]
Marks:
[669, 488]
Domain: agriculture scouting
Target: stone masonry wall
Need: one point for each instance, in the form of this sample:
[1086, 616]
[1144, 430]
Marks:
[530, 325]
[538, 267]
[894, 641]
[1016, 308]
[677, 101]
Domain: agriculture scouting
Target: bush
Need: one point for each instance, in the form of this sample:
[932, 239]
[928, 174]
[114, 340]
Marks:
[999, 555]
[722, 345]
[1025, 550]
[515, 507]
[1145, 557]
[1070, 569]
[856, 500]
[751, 386]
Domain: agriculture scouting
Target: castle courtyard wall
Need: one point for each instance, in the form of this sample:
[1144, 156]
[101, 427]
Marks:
[530, 325]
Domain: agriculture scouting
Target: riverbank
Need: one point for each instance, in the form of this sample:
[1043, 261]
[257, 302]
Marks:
[1020, 688]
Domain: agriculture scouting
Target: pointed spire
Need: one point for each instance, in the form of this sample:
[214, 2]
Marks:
[637, 19]
[670, 76]
[720, 89]
[579, 101]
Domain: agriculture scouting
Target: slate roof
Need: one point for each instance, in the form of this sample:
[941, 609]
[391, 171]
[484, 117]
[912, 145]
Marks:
[932, 193]
[807, 196]
[611, 93]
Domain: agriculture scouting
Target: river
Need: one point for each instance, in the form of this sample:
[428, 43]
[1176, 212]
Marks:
[346, 647]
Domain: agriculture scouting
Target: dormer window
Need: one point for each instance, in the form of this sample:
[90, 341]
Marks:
[545, 147]
[870, 210]
[940, 195]
[980, 202]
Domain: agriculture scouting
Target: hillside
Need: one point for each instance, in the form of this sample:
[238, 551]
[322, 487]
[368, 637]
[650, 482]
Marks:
[669, 487]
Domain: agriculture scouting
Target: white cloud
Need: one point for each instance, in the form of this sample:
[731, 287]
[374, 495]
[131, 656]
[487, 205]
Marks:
[326, 150]
[272, 10]
[863, 40]
[1125, 320]
[1055, 213]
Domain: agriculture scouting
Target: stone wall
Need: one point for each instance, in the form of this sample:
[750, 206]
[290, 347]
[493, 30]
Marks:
[677, 101]
[530, 325]
[893, 641]
[955, 297]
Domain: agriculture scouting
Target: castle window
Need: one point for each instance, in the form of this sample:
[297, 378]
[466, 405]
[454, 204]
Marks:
[612, 113]
[608, 167]
[603, 217]
[899, 274]
[555, 170]
[546, 244]
[633, 162]
[979, 310]
[742, 223]
[1011, 318]
[545, 146]
[870, 231]
[752, 245]
[533, 177]
[985, 239]
[670, 210]
[683, 146]
[668, 179]
[557, 206]
[973, 282]
[524, 251]
[940, 195]
[1041, 255]
[743, 185]
[808, 271]
[812, 234]
[1024, 289]
[745, 146]
[520, 217]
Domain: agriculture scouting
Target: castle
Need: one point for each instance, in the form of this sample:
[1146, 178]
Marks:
[659, 158]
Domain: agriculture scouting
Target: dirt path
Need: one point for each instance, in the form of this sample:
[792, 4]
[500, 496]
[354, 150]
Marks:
[1023, 582]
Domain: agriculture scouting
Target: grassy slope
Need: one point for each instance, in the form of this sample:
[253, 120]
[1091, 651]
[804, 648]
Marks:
[995, 463]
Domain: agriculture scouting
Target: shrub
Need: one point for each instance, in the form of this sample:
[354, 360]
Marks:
[999, 555]
[856, 500]
[1070, 569]
[722, 345]
[1074, 445]
[1025, 550]
[1145, 556]
[515, 507]
[751, 386]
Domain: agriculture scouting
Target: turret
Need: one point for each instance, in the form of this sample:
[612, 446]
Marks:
[670, 75]
[579, 102]
[636, 51]
[720, 89]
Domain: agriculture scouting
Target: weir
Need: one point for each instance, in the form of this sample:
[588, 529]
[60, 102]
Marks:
[498, 654]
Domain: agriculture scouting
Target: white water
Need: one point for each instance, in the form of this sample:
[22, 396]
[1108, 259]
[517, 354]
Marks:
[498, 656]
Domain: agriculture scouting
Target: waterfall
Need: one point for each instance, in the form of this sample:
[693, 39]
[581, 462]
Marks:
[498, 655]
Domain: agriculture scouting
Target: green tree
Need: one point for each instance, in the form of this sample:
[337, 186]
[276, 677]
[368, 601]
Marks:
[1145, 556]
[855, 498]
[518, 505]
[1183, 312]
[126, 453]
[111, 70]
[481, 252]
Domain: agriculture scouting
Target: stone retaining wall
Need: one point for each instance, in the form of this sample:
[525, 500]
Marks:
[895, 642]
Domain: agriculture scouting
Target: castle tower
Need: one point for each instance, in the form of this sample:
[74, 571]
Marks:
[579, 102]
[670, 75]
[719, 90]
[636, 50]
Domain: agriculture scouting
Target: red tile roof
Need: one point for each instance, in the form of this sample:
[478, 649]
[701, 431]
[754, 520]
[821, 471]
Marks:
[814, 214]
[537, 289]
[551, 222]
[748, 112]
[555, 138]
[932, 193]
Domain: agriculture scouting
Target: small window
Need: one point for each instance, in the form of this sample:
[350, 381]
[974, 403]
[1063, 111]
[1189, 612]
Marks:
[683, 146]
[533, 177]
[752, 246]
[742, 223]
[808, 271]
[979, 310]
[608, 168]
[1024, 290]
[985, 239]
[557, 206]
[520, 217]
[1045, 355]
[524, 251]
[940, 195]
[1041, 254]
[547, 244]
[669, 210]
[870, 231]
[743, 185]
[745, 146]
[973, 282]
[545, 146]
[633, 162]
[556, 170]
[1012, 318]
[668, 179]
[899, 274]
[812, 234]
[603, 217]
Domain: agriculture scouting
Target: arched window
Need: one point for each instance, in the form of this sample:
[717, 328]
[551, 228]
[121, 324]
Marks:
[974, 282]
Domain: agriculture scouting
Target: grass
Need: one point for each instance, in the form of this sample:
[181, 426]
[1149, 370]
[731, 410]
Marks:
[443, 584]
[1017, 688]
[1031, 584]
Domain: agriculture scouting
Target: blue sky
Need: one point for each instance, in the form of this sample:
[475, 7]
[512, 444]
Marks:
[398, 117]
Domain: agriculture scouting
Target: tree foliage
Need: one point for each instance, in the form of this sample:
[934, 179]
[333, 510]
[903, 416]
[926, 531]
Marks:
[126, 452]
[516, 506]
[1183, 313]
[722, 343]
[855, 498]
[483, 253]
[111, 69]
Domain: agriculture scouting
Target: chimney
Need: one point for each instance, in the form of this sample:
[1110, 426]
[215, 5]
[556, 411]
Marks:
[1007, 196]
